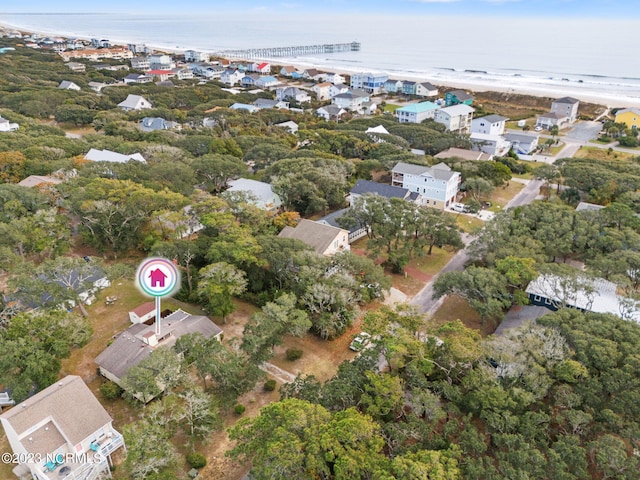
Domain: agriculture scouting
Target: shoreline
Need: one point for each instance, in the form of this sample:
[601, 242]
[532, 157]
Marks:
[443, 82]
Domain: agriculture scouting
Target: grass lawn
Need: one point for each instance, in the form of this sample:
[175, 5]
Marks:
[457, 308]
[501, 195]
[602, 154]
[469, 224]
[390, 107]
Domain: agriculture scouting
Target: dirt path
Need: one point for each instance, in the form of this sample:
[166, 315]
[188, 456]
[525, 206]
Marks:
[279, 374]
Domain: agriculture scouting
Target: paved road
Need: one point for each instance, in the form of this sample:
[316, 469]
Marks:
[423, 300]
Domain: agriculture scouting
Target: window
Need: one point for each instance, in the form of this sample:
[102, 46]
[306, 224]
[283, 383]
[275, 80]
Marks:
[547, 301]
[536, 298]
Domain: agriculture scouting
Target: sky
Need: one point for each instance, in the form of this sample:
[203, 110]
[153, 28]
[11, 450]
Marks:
[515, 8]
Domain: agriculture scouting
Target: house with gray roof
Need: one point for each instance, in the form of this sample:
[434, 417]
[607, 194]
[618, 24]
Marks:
[67, 85]
[37, 180]
[151, 124]
[426, 89]
[489, 125]
[62, 433]
[564, 112]
[292, 94]
[137, 78]
[463, 154]
[356, 232]
[137, 342]
[456, 118]
[260, 193]
[522, 143]
[291, 126]
[95, 155]
[323, 238]
[367, 187]
[263, 103]
[331, 112]
[438, 185]
[134, 102]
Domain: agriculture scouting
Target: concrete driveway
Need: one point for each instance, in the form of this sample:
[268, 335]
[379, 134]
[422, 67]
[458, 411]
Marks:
[583, 131]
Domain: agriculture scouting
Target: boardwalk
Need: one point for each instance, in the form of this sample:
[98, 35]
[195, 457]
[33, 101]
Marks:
[293, 51]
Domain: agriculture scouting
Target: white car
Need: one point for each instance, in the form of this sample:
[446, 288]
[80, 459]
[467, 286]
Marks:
[538, 128]
[459, 207]
[360, 341]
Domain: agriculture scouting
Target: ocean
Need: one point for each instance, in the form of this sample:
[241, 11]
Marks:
[547, 56]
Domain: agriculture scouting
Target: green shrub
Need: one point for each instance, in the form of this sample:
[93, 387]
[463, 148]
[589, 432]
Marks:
[269, 385]
[239, 409]
[110, 390]
[196, 460]
[293, 354]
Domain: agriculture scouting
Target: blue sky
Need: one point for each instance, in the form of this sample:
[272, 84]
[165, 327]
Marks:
[536, 8]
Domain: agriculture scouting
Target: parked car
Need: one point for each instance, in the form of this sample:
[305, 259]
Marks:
[360, 341]
[459, 207]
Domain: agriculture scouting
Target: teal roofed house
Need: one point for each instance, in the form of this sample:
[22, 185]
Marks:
[457, 97]
[416, 112]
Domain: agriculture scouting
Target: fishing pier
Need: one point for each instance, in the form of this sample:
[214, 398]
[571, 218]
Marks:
[293, 51]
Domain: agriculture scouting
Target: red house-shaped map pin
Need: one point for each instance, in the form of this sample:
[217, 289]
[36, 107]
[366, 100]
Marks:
[157, 277]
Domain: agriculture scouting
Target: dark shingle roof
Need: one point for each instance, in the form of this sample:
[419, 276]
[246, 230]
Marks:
[366, 186]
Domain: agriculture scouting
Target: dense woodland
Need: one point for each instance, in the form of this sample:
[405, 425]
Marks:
[553, 400]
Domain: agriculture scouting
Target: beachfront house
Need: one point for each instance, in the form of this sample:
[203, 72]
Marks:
[457, 97]
[331, 112]
[489, 125]
[456, 118]
[62, 432]
[324, 239]
[416, 112]
[333, 78]
[629, 116]
[521, 143]
[95, 155]
[494, 145]
[372, 83]
[409, 87]
[426, 89]
[260, 194]
[322, 91]
[437, 185]
[393, 85]
[195, 56]
[564, 112]
[134, 102]
[287, 70]
[7, 126]
[292, 94]
[312, 74]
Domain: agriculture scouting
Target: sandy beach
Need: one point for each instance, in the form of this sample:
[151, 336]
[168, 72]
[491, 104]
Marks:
[509, 85]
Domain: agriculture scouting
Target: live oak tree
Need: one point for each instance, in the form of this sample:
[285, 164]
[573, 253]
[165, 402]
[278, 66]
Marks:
[157, 374]
[218, 283]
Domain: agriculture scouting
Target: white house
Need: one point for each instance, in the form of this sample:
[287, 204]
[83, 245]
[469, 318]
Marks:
[334, 78]
[324, 239]
[352, 100]
[522, 144]
[140, 63]
[489, 125]
[416, 112]
[231, 77]
[266, 81]
[137, 78]
[456, 118]
[438, 185]
[62, 432]
[135, 102]
[290, 126]
[95, 155]
[425, 89]
[143, 313]
[331, 112]
[263, 103]
[564, 112]
[194, 56]
[260, 193]
[161, 62]
[337, 89]
[322, 90]
[7, 126]
[245, 106]
[495, 145]
[292, 94]
[367, 187]
[67, 85]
